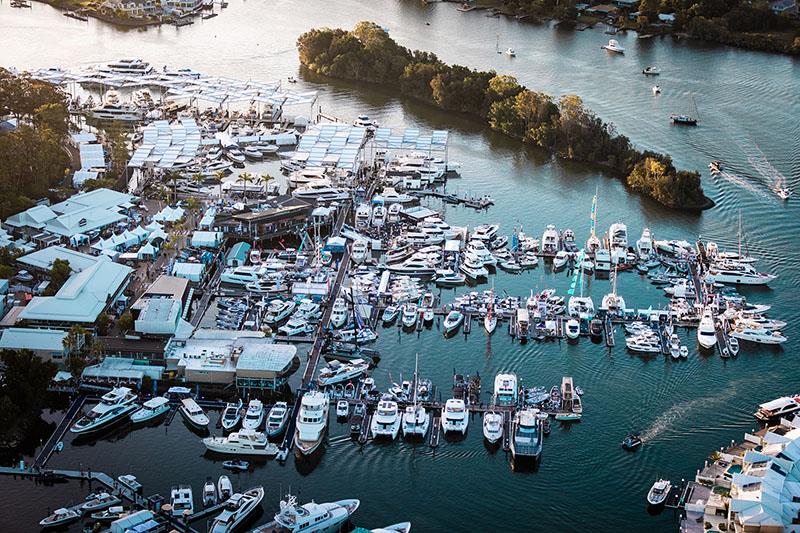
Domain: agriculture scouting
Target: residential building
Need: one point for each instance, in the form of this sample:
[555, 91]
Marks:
[133, 8]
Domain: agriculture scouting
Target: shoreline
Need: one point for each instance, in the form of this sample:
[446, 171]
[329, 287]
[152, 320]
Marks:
[129, 23]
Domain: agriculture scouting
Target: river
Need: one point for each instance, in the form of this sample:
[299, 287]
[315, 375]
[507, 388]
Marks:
[749, 109]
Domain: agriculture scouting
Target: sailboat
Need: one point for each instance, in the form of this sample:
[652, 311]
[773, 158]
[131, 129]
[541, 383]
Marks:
[686, 120]
[490, 320]
[593, 242]
[612, 302]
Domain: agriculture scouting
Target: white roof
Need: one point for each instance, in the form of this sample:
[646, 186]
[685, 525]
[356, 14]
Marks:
[44, 258]
[33, 339]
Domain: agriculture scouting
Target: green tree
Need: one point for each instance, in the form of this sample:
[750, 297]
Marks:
[103, 324]
[125, 322]
[75, 339]
[59, 274]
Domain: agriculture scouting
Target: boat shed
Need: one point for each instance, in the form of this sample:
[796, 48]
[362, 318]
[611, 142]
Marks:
[263, 366]
[238, 254]
[332, 146]
[434, 144]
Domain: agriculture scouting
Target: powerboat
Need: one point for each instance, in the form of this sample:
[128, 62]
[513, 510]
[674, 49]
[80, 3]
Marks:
[455, 417]
[492, 426]
[363, 335]
[706, 332]
[209, 493]
[277, 419]
[339, 313]
[452, 321]
[237, 509]
[651, 71]
[363, 215]
[738, 273]
[644, 246]
[602, 261]
[295, 327]
[658, 492]
[310, 517]
[232, 415]
[390, 314]
[614, 46]
[242, 442]
[150, 410]
[342, 409]
[560, 260]
[632, 441]
[254, 416]
[114, 512]
[416, 421]
[402, 527]
[758, 335]
[338, 372]
[127, 66]
[779, 408]
[279, 310]
[60, 517]
[117, 112]
[485, 232]
[618, 236]
[550, 239]
[224, 487]
[482, 253]
[510, 52]
[99, 502]
[572, 329]
[182, 501]
[130, 481]
[472, 267]
[359, 251]
[526, 438]
[312, 421]
[409, 315]
[322, 193]
[242, 275]
[506, 389]
[193, 414]
[656, 89]
[386, 421]
[580, 307]
[114, 405]
[449, 278]
[236, 464]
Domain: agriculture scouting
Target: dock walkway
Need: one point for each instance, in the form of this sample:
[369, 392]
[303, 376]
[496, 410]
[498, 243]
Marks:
[49, 447]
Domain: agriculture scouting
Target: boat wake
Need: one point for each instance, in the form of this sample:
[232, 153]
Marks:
[764, 168]
[669, 418]
[741, 182]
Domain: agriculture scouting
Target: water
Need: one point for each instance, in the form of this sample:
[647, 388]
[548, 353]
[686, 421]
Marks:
[748, 106]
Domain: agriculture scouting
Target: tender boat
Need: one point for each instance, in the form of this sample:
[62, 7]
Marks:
[209, 493]
[526, 438]
[492, 426]
[236, 464]
[182, 501]
[312, 421]
[310, 517]
[224, 487]
[232, 415]
[60, 517]
[659, 492]
[114, 405]
[614, 46]
[277, 419]
[193, 414]
[452, 322]
[386, 421]
[150, 410]
[656, 89]
[455, 417]
[242, 442]
[237, 509]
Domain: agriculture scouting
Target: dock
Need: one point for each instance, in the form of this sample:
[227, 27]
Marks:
[608, 326]
[479, 204]
[435, 432]
[363, 435]
[49, 447]
[507, 430]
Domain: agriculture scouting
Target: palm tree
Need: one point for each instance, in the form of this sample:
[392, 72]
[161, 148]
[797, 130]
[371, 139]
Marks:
[218, 175]
[173, 176]
[246, 177]
[265, 179]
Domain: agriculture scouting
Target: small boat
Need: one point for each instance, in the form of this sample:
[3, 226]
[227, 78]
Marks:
[60, 517]
[109, 515]
[224, 487]
[659, 492]
[232, 415]
[130, 481]
[342, 408]
[783, 193]
[510, 52]
[579, 391]
[684, 352]
[492, 427]
[452, 322]
[614, 46]
[656, 89]
[651, 71]
[715, 166]
[236, 464]
[733, 345]
[632, 441]
[684, 120]
[209, 493]
[572, 329]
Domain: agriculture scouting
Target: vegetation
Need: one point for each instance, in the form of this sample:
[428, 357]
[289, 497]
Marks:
[7, 259]
[59, 274]
[125, 322]
[564, 127]
[22, 392]
[32, 159]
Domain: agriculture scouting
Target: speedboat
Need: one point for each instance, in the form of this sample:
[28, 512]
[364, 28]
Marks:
[312, 421]
[632, 441]
[277, 419]
[151, 409]
[455, 417]
[338, 372]
[109, 515]
[342, 409]
[224, 487]
[390, 314]
[472, 267]
[236, 464]
[386, 421]
[492, 426]
[783, 193]
[359, 335]
[242, 442]
[738, 273]
[232, 415]
[452, 322]
[656, 89]
[526, 437]
[182, 501]
[733, 345]
[572, 329]
[310, 517]
[295, 327]
[100, 502]
[130, 481]
[644, 246]
[651, 71]
[237, 509]
[359, 251]
[658, 492]
[510, 52]
[402, 527]
[209, 493]
[614, 46]
[449, 278]
[254, 416]
[506, 389]
[114, 405]
[60, 517]
[409, 315]
[193, 414]
[706, 332]
[339, 313]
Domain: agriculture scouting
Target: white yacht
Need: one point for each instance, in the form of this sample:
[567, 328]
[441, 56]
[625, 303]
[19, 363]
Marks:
[312, 421]
[613, 303]
[279, 310]
[560, 260]
[232, 415]
[391, 197]
[127, 66]
[150, 409]
[365, 122]
[477, 247]
[182, 501]
[338, 372]
[644, 246]
[254, 416]
[550, 240]
[778, 408]
[339, 313]
[449, 278]
[485, 232]
[237, 508]
[738, 273]
[359, 251]
[706, 332]
[296, 326]
[416, 421]
[618, 236]
[242, 275]
[242, 442]
[572, 329]
[413, 267]
[378, 216]
[408, 317]
[224, 487]
[209, 493]
[472, 267]
[307, 175]
[310, 517]
[658, 492]
[193, 414]
[455, 417]
[60, 517]
[386, 421]
[277, 419]
[321, 193]
[526, 434]
[492, 426]
[452, 321]
[614, 46]
[506, 389]
[393, 212]
[402, 527]
[363, 215]
[119, 112]
[114, 405]
[758, 335]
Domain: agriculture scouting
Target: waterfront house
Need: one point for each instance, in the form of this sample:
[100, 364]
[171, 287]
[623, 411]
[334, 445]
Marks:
[133, 8]
[179, 7]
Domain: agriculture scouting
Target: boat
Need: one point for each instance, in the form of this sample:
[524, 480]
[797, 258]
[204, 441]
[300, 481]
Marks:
[472, 267]
[109, 515]
[254, 416]
[580, 307]
[127, 66]
[209, 493]
[738, 273]
[758, 335]
[684, 120]
[684, 352]
[182, 501]
[602, 261]
[359, 251]
[526, 434]
[224, 487]
[117, 112]
[236, 464]
[232, 415]
[100, 502]
[644, 246]
[277, 419]
[363, 335]
[492, 426]
[733, 346]
[252, 153]
[312, 421]
[310, 517]
[390, 314]
[365, 122]
[150, 410]
[114, 405]
[779, 408]
[342, 409]
[130, 481]
[632, 441]
[561, 259]
[409, 315]
[783, 193]
[572, 329]
[279, 310]
[550, 239]
[506, 389]
[60, 517]
[658, 492]
[510, 52]
[339, 313]
[386, 421]
[242, 275]
[706, 332]
[237, 509]
[338, 372]
[402, 527]
[614, 46]
[656, 89]
[651, 71]
[449, 278]
[321, 193]
[452, 322]
[490, 320]
[193, 414]
[455, 417]
[242, 442]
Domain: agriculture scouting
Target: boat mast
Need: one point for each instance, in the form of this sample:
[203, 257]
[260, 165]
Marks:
[416, 369]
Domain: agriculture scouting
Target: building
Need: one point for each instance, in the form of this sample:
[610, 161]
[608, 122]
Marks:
[284, 215]
[181, 6]
[603, 10]
[42, 260]
[207, 239]
[194, 272]
[263, 366]
[48, 344]
[119, 370]
[160, 310]
[238, 254]
[133, 8]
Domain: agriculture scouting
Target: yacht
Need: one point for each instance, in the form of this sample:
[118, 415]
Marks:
[150, 409]
[127, 66]
[658, 492]
[59, 518]
[485, 232]
[416, 421]
[572, 329]
[409, 315]
[359, 252]
[363, 216]
[193, 414]
[224, 487]
[237, 508]
[602, 260]
[580, 307]
[114, 405]
[506, 389]
[307, 176]
[339, 313]
[490, 321]
[550, 240]
[560, 260]
[182, 501]
[706, 332]
[402, 527]
[232, 415]
[242, 275]
[413, 267]
[778, 408]
[492, 426]
[644, 246]
[365, 122]
[526, 434]
[618, 236]
[477, 247]
[119, 112]
[738, 273]
[358, 335]
[321, 193]
[209, 493]
[99, 502]
[242, 442]
[378, 216]
[449, 278]
[310, 517]
[296, 326]
[279, 310]
[254, 416]
[510, 52]
[338, 372]
[614, 46]
[758, 335]
[277, 419]
[130, 481]
[390, 314]
[393, 212]
[312, 422]
[472, 267]
[386, 421]
[452, 321]
[455, 417]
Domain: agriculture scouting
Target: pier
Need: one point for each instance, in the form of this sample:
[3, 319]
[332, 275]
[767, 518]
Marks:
[436, 427]
[49, 447]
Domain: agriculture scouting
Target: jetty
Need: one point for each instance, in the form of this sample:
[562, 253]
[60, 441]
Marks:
[66, 421]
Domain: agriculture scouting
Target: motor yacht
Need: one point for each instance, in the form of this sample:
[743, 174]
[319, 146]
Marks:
[738, 273]
[779, 408]
[644, 246]
[413, 267]
[550, 239]
[254, 416]
[127, 66]
[237, 509]
[117, 112]
[209, 493]
[339, 313]
[130, 481]
[114, 512]
[526, 434]
[321, 193]
[182, 501]
[363, 335]
[560, 260]
[113, 406]
[449, 278]
[402, 527]
[492, 426]
[338, 372]
[365, 122]
[232, 415]
[455, 417]
[706, 332]
[342, 409]
[506, 389]
[572, 329]
[242, 442]
[310, 517]
[472, 267]
[386, 421]
[363, 215]
[643, 344]
[224, 487]
[485, 232]
[277, 419]
[390, 314]
[452, 321]
[150, 410]
[614, 46]
[482, 253]
[242, 275]
[193, 414]
[658, 492]
[393, 212]
[392, 197]
[279, 310]
[359, 251]
[758, 335]
[409, 315]
[312, 421]
[296, 327]
[99, 502]
[59, 518]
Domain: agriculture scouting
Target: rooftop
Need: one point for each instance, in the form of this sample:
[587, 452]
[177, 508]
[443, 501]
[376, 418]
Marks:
[261, 357]
[33, 339]
[44, 258]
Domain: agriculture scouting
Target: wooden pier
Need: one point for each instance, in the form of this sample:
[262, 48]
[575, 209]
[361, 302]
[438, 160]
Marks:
[435, 432]
[49, 447]
[507, 430]
[366, 423]
[608, 326]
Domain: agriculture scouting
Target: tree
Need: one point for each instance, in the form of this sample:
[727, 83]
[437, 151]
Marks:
[22, 389]
[59, 274]
[173, 177]
[75, 339]
[126, 322]
[246, 177]
[103, 323]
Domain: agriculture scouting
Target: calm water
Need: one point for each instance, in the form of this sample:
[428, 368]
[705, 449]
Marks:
[749, 109]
